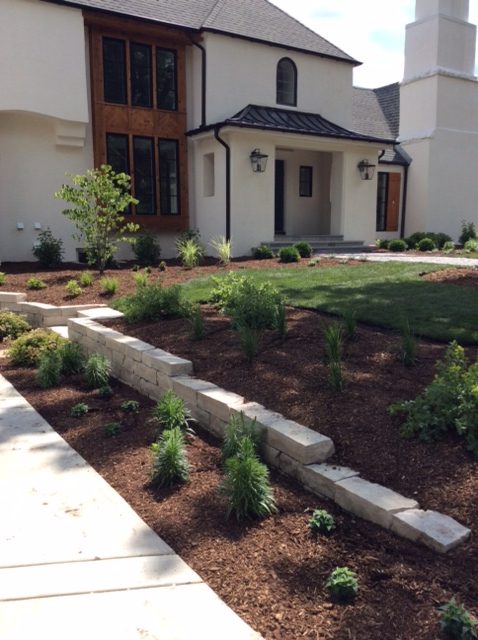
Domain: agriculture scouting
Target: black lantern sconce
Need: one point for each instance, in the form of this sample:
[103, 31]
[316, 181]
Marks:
[366, 169]
[258, 161]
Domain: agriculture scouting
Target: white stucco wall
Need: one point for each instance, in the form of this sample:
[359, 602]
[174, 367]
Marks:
[241, 73]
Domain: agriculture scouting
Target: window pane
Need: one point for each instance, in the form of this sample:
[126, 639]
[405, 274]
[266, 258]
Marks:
[144, 176]
[117, 152]
[114, 70]
[141, 77]
[166, 79]
[169, 177]
[305, 182]
[286, 82]
[382, 201]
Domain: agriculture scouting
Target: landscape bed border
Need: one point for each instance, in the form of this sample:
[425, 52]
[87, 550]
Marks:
[290, 447]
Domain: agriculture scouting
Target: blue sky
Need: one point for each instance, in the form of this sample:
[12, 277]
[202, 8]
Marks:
[372, 31]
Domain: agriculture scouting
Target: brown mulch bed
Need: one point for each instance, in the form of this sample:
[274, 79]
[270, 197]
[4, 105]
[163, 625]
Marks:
[271, 572]
[461, 276]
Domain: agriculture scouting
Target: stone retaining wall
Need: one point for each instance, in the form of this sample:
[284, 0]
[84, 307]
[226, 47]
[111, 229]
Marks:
[39, 314]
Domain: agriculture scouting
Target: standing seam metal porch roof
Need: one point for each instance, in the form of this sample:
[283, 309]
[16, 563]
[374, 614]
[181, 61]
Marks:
[287, 121]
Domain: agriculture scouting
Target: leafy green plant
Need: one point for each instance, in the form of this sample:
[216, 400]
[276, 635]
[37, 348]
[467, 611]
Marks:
[289, 254]
[468, 232]
[112, 429]
[97, 201]
[448, 247]
[72, 358]
[246, 484]
[342, 584]
[140, 280]
[190, 252]
[471, 246]
[49, 369]
[196, 320]
[408, 346]
[263, 252]
[336, 375]
[86, 279]
[382, 243]
[349, 321]
[162, 266]
[334, 341]
[170, 412]
[153, 302]
[304, 249]
[79, 410]
[27, 349]
[12, 325]
[48, 250]
[249, 341]
[97, 371]
[73, 289]
[223, 249]
[321, 522]
[146, 249]
[3, 277]
[109, 286]
[397, 245]
[426, 244]
[170, 463]
[35, 283]
[413, 240]
[238, 428]
[440, 239]
[456, 622]
[105, 392]
[130, 406]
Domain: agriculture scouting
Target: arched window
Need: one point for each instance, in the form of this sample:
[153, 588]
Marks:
[286, 82]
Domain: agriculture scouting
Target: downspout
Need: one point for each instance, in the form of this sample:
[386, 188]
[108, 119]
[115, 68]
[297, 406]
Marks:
[404, 202]
[228, 182]
[203, 82]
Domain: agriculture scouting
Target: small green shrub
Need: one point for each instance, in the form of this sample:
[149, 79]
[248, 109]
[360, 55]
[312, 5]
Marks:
[289, 254]
[246, 484]
[468, 232]
[240, 427]
[170, 463]
[408, 346]
[397, 246]
[109, 286]
[342, 584]
[426, 244]
[49, 369]
[79, 410]
[49, 250]
[72, 358]
[12, 325]
[112, 429]
[448, 247]
[190, 252]
[196, 320]
[223, 249]
[170, 412]
[140, 280]
[162, 266]
[456, 622]
[97, 371]
[413, 240]
[263, 252]
[3, 277]
[304, 249]
[334, 341]
[86, 279]
[105, 392]
[321, 522]
[146, 249]
[130, 406]
[153, 302]
[27, 349]
[440, 239]
[35, 283]
[471, 246]
[73, 289]
[382, 243]
[349, 321]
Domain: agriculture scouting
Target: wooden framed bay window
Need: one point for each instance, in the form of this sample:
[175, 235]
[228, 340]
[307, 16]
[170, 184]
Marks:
[139, 114]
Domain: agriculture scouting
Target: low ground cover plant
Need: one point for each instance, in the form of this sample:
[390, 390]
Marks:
[49, 369]
[289, 254]
[97, 371]
[342, 585]
[321, 522]
[146, 249]
[112, 429]
[73, 289]
[105, 392]
[12, 325]
[456, 623]
[49, 250]
[79, 410]
[130, 406]
[170, 412]
[263, 252]
[35, 283]
[153, 302]
[170, 463]
[27, 349]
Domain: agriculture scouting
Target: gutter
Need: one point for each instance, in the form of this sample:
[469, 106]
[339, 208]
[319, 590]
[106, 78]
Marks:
[228, 181]
[203, 82]
[404, 201]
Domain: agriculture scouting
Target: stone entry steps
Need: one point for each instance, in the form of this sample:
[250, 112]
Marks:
[319, 244]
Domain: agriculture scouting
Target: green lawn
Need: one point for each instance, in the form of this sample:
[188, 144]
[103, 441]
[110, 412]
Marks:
[383, 294]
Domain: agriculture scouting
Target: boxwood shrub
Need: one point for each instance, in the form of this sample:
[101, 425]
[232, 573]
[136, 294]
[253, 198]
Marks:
[397, 245]
[289, 254]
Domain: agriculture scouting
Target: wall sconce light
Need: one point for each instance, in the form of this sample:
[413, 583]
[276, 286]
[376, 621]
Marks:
[366, 169]
[258, 161]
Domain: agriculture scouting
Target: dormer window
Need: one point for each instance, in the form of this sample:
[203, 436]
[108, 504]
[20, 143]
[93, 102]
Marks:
[286, 82]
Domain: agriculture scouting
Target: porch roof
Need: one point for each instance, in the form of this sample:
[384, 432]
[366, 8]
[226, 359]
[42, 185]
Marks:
[287, 121]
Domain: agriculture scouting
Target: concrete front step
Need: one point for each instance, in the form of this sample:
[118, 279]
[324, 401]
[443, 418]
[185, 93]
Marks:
[318, 244]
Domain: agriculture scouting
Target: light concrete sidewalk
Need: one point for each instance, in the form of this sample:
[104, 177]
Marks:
[76, 561]
[397, 257]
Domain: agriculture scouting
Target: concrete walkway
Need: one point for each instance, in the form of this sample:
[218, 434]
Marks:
[398, 257]
[76, 561]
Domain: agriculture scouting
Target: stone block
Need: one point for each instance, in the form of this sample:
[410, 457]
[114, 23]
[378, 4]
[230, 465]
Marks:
[219, 402]
[299, 442]
[100, 313]
[436, 530]
[321, 478]
[79, 324]
[371, 501]
[187, 388]
[167, 363]
[163, 381]
[132, 347]
[10, 296]
[217, 426]
[271, 456]
[142, 371]
[202, 417]
[149, 389]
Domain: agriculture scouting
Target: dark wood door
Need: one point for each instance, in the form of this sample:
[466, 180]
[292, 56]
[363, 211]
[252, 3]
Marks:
[393, 201]
[279, 198]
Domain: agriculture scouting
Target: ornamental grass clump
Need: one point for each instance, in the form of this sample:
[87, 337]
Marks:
[321, 522]
[73, 289]
[12, 325]
[72, 358]
[170, 463]
[109, 286]
[223, 249]
[349, 322]
[153, 302]
[190, 252]
[238, 428]
[140, 280]
[456, 623]
[246, 484]
[333, 336]
[49, 370]
[27, 349]
[86, 279]
[170, 412]
[196, 322]
[342, 585]
[97, 371]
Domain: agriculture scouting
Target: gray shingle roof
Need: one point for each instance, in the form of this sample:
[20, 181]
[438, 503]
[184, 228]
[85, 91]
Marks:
[253, 19]
[287, 121]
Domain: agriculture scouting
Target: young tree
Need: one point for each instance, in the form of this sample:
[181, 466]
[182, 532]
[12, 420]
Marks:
[98, 200]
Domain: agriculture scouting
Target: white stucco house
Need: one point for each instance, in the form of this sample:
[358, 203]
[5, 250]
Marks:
[235, 119]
